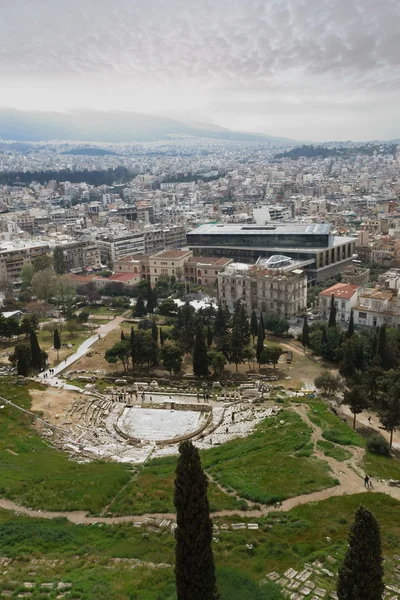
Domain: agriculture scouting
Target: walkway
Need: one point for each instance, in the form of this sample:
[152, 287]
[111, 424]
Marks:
[101, 332]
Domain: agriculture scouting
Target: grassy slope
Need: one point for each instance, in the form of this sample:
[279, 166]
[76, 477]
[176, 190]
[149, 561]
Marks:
[38, 476]
[151, 491]
[269, 465]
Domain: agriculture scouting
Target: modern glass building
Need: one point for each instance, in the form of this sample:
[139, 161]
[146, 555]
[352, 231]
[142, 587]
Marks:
[327, 254]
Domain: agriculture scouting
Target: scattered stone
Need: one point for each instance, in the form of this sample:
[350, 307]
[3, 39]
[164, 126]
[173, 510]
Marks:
[238, 526]
[327, 572]
[273, 576]
[252, 525]
[304, 575]
[29, 585]
[290, 573]
[320, 592]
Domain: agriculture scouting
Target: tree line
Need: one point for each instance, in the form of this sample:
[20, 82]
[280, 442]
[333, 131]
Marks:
[96, 177]
[369, 362]
[212, 336]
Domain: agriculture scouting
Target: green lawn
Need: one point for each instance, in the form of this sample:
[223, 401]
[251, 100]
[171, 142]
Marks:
[151, 491]
[333, 428]
[36, 475]
[272, 464]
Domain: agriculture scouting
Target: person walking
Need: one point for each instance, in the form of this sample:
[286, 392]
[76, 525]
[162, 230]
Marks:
[366, 481]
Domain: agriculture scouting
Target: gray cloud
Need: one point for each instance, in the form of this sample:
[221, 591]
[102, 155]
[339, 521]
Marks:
[308, 54]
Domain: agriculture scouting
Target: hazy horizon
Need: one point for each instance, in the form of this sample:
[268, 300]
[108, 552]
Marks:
[314, 70]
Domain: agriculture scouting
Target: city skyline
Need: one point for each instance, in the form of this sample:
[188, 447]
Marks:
[304, 70]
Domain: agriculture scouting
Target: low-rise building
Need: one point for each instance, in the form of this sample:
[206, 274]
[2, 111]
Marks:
[204, 270]
[276, 286]
[168, 262]
[134, 264]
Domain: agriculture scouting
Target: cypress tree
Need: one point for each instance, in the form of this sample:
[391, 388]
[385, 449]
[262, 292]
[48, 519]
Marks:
[200, 359]
[140, 308]
[133, 348]
[382, 347]
[324, 339]
[253, 325]
[150, 299]
[209, 336]
[350, 329]
[332, 313]
[57, 342]
[154, 332]
[361, 575]
[305, 335]
[347, 367]
[161, 337]
[220, 325]
[23, 363]
[194, 560]
[123, 338]
[37, 361]
[260, 338]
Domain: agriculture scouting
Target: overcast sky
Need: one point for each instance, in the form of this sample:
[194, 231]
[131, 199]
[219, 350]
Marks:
[305, 69]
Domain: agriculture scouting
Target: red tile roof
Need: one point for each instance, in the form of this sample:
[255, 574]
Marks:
[340, 290]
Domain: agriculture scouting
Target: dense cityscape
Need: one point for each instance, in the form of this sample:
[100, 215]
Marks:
[200, 300]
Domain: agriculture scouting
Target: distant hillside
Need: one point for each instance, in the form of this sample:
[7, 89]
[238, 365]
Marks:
[90, 151]
[112, 127]
[342, 151]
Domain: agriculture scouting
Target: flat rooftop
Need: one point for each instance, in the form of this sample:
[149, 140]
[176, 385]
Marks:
[270, 229]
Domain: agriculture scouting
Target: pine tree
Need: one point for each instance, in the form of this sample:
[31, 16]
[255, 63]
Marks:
[332, 313]
[253, 325]
[155, 299]
[305, 335]
[200, 362]
[361, 575]
[350, 329]
[260, 338]
[357, 401]
[162, 339]
[37, 361]
[57, 342]
[194, 560]
[123, 338]
[23, 362]
[154, 332]
[209, 336]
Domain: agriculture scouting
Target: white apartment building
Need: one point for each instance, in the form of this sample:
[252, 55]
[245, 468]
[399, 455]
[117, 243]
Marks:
[345, 297]
[266, 214]
[115, 245]
[270, 286]
[376, 307]
[164, 238]
[14, 255]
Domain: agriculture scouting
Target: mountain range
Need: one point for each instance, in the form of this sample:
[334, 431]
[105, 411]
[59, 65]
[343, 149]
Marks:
[88, 125]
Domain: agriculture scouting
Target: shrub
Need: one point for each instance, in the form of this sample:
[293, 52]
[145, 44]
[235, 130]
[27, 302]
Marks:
[378, 445]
